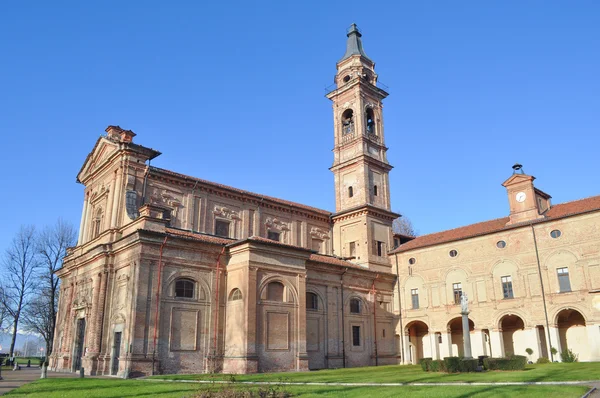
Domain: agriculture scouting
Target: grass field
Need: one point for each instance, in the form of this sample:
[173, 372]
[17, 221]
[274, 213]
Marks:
[410, 374]
[109, 388]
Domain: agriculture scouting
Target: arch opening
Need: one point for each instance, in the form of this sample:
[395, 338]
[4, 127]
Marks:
[348, 122]
[419, 344]
[456, 336]
[513, 335]
[572, 332]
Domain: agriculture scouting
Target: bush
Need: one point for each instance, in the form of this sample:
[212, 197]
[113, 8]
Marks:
[568, 356]
[468, 365]
[515, 362]
[452, 364]
[529, 351]
[425, 364]
[437, 366]
[542, 360]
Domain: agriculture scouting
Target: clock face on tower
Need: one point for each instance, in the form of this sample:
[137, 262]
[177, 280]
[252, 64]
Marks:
[520, 197]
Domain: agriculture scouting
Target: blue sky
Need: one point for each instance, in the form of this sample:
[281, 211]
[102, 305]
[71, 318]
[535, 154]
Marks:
[234, 92]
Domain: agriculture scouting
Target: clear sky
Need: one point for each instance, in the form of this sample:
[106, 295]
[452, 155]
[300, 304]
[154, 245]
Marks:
[233, 92]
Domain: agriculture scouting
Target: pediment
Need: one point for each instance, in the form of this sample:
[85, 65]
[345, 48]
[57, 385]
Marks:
[517, 178]
[99, 155]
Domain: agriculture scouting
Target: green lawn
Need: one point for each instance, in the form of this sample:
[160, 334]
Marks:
[411, 374]
[108, 388]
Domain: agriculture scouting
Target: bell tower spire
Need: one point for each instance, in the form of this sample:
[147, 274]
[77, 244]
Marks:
[363, 216]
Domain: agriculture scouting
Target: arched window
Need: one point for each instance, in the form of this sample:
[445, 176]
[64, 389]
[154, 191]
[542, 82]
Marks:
[350, 192]
[312, 301]
[370, 121]
[275, 291]
[184, 288]
[355, 306]
[348, 122]
[235, 294]
[97, 223]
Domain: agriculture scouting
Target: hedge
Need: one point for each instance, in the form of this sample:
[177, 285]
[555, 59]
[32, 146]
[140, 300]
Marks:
[425, 364]
[437, 366]
[515, 362]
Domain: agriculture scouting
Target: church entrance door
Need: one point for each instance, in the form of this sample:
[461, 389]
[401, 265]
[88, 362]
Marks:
[79, 340]
[116, 354]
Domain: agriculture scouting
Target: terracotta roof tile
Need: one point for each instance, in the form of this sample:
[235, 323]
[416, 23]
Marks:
[243, 192]
[483, 228]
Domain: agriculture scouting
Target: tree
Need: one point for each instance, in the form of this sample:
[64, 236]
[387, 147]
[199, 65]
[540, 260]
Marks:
[37, 317]
[51, 245]
[403, 225]
[20, 267]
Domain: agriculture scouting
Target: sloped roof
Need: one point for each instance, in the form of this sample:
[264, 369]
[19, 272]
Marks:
[243, 192]
[197, 236]
[487, 227]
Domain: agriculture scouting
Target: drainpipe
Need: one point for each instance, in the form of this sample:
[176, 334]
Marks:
[400, 312]
[537, 256]
[375, 318]
[343, 323]
[162, 246]
[217, 305]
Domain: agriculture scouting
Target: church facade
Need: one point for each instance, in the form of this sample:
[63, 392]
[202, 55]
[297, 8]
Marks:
[175, 274]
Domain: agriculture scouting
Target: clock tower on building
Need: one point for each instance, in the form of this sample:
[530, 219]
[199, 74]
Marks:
[363, 219]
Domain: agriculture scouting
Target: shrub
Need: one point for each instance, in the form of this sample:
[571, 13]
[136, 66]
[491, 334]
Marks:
[553, 350]
[437, 366]
[542, 360]
[468, 365]
[425, 364]
[529, 351]
[515, 362]
[568, 356]
[452, 364]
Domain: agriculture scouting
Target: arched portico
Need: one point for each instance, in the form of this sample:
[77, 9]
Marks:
[572, 333]
[512, 329]
[418, 342]
[455, 330]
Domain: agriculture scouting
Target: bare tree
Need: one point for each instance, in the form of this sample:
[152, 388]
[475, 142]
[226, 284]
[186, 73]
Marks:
[37, 317]
[20, 267]
[403, 225]
[52, 244]
[3, 312]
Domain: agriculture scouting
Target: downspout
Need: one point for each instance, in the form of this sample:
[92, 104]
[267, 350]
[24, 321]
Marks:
[217, 305]
[400, 312]
[375, 318]
[162, 246]
[343, 324]
[537, 256]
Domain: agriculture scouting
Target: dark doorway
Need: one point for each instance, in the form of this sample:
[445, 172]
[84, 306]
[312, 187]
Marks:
[116, 353]
[80, 340]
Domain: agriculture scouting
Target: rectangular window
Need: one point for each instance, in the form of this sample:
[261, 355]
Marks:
[352, 249]
[356, 336]
[375, 190]
[563, 279]
[378, 248]
[273, 235]
[507, 289]
[457, 288]
[414, 294]
[222, 228]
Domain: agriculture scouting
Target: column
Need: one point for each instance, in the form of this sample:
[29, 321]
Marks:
[466, 335]
[496, 343]
[555, 342]
[302, 359]
[251, 333]
[111, 199]
[593, 333]
[83, 220]
[86, 225]
[428, 350]
[117, 199]
[478, 343]
[446, 345]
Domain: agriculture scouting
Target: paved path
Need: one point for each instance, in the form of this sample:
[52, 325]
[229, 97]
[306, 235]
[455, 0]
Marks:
[14, 379]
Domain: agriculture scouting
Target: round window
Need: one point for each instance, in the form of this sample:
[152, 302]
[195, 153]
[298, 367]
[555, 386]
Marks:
[412, 260]
[555, 233]
[501, 244]
[453, 253]
[346, 78]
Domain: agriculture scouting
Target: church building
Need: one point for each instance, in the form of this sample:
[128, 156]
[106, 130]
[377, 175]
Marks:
[175, 274]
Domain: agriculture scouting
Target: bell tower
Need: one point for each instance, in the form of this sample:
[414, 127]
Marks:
[363, 219]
